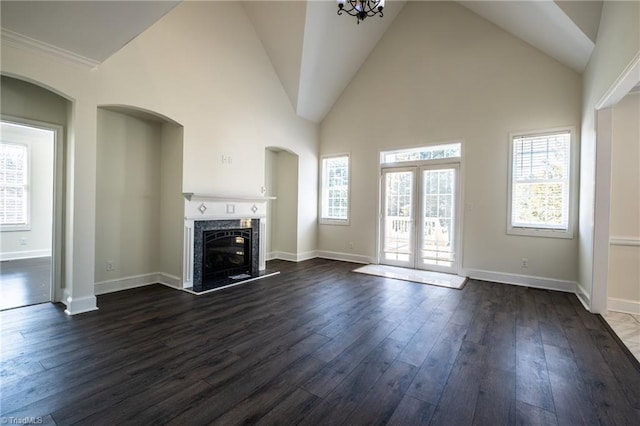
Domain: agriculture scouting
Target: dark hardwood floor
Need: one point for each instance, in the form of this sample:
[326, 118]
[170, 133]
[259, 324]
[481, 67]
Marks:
[319, 344]
[25, 282]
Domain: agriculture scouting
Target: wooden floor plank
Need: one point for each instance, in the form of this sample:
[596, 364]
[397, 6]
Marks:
[318, 344]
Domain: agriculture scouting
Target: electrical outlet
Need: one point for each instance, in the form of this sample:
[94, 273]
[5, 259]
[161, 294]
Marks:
[351, 245]
[23, 241]
[525, 263]
[110, 266]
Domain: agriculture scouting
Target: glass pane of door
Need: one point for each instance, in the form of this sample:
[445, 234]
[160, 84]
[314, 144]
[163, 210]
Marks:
[397, 217]
[437, 228]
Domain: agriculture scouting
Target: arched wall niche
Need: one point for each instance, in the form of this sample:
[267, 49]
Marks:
[139, 202]
[140, 113]
[281, 181]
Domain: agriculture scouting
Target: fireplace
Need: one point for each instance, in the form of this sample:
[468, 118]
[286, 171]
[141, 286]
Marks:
[238, 223]
[224, 251]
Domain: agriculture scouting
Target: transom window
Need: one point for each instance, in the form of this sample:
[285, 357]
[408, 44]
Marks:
[435, 152]
[540, 184]
[335, 190]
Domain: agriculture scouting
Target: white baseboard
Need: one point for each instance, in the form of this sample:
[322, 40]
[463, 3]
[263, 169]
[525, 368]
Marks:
[345, 257]
[583, 296]
[78, 305]
[292, 257]
[522, 280]
[27, 254]
[169, 280]
[623, 305]
[135, 281]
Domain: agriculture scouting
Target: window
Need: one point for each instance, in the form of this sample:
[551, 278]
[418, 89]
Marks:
[335, 190]
[435, 152]
[540, 184]
[14, 186]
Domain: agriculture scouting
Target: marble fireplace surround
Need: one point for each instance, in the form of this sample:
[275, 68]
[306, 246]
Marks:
[227, 211]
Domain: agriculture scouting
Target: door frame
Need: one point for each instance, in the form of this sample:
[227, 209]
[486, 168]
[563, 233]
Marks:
[57, 234]
[381, 226]
[462, 205]
[455, 269]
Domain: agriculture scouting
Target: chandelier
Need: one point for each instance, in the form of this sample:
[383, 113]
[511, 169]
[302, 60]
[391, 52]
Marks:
[361, 8]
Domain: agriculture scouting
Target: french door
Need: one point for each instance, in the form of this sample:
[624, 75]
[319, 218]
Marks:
[419, 217]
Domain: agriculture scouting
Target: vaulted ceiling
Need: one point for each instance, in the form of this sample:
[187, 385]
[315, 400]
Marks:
[314, 52]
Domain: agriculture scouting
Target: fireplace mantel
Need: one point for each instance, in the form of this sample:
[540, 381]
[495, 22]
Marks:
[210, 207]
[191, 196]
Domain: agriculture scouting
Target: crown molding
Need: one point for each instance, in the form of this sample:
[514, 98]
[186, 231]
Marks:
[30, 44]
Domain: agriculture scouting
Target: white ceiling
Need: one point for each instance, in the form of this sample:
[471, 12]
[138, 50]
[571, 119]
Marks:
[314, 52]
[91, 30]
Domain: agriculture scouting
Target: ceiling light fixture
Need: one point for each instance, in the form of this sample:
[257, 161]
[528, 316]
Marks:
[361, 8]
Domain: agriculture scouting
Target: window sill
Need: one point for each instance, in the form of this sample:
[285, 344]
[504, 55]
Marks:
[340, 222]
[540, 232]
[14, 228]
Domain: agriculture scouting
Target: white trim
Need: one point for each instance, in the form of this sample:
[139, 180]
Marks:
[136, 281]
[624, 241]
[79, 305]
[292, 257]
[168, 280]
[191, 196]
[28, 254]
[541, 231]
[522, 280]
[602, 211]
[333, 221]
[626, 81]
[624, 305]
[32, 45]
[57, 235]
[345, 257]
[583, 297]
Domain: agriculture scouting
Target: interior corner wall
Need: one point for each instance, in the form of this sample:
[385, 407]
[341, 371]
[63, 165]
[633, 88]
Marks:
[624, 247]
[441, 73]
[171, 201]
[127, 196]
[617, 45]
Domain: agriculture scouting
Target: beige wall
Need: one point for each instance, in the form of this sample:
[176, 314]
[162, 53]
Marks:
[127, 196]
[624, 261]
[139, 203]
[203, 66]
[441, 73]
[617, 46]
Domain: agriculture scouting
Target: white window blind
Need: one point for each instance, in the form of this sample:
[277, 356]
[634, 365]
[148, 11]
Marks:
[335, 189]
[13, 184]
[540, 181]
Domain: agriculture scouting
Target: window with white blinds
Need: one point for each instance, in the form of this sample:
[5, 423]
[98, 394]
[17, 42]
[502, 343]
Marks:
[540, 184]
[335, 190]
[13, 185]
